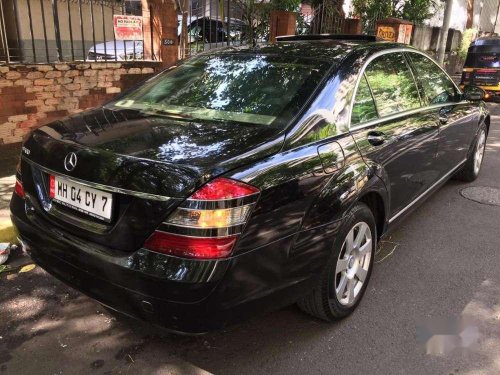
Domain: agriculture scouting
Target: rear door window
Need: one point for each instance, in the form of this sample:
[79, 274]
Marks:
[392, 84]
[434, 83]
[363, 108]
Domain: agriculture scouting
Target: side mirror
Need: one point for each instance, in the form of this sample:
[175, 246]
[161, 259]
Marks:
[474, 93]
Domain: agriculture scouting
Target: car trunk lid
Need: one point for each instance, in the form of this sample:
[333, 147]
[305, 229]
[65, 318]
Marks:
[149, 164]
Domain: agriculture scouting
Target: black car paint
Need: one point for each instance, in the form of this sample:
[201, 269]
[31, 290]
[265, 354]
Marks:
[309, 176]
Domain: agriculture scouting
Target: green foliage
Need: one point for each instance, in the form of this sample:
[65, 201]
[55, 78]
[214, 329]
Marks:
[288, 5]
[467, 38]
[256, 13]
[416, 11]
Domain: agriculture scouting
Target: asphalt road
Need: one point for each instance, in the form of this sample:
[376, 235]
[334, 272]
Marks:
[440, 267]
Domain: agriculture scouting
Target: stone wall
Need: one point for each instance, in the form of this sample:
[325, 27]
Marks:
[33, 95]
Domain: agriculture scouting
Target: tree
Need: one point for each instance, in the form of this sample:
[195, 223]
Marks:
[256, 15]
[416, 11]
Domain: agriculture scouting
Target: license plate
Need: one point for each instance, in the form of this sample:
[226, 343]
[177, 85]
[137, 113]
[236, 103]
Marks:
[93, 202]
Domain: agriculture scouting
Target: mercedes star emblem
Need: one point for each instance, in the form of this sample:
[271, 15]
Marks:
[70, 161]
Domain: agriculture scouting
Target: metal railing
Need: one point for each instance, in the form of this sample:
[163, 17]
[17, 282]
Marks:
[324, 18]
[38, 31]
[215, 23]
[212, 24]
[35, 31]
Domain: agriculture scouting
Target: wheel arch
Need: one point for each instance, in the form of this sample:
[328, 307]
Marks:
[487, 122]
[376, 203]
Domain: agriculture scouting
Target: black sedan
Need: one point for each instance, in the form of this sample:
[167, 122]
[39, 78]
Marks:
[245, 179]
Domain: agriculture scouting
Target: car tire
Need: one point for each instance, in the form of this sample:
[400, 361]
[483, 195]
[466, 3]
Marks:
[328, 300]
[470, 171]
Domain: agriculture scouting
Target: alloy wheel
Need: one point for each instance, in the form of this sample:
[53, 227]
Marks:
[353, 264]
[478, 157]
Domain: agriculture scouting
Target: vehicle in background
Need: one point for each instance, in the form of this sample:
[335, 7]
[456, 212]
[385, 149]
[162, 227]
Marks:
[209, 30]
[121, 50]
[482, 66]
[200, 30]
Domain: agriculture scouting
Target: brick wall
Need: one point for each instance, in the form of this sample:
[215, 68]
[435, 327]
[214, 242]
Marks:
[33, 95]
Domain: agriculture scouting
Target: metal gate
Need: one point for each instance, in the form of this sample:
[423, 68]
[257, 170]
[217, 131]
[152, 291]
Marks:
[82, 30]
[324, 18]
[208, 24]
[34, 31]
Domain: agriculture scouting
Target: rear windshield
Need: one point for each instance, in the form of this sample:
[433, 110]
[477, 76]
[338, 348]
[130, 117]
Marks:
[483, 56]
[255, 89]
[483, 60]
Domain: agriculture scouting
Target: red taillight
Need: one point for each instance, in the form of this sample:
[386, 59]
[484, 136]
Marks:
[19, 188]
[224, 188]
[52, 186]
[191, 247]
[207, 225]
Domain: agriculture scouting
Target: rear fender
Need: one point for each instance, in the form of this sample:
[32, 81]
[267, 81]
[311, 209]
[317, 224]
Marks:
[323, 221]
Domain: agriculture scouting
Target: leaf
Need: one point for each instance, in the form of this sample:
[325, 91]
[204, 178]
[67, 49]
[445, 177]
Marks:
[27, 268]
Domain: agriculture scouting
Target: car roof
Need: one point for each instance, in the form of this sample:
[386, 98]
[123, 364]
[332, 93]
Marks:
[491, 40]
[331, 50]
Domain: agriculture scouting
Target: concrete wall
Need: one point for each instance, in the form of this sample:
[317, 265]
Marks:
[32, 95]
[458, 16]
[484, 15]
[426, 38]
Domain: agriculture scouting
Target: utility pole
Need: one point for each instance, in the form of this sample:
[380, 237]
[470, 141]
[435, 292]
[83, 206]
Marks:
[444, 31]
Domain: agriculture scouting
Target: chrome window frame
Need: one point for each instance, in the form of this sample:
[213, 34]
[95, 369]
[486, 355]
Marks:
[403, 113]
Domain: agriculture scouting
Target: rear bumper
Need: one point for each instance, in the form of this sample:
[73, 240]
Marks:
[182, 295]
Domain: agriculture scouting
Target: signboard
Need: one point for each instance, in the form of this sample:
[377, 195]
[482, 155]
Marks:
[386, 33]
[127, 27]
[404, 35]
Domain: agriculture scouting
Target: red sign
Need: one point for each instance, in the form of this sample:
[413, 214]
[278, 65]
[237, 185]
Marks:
[127, 27]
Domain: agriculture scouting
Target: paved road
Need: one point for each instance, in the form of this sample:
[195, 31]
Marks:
[445, 265]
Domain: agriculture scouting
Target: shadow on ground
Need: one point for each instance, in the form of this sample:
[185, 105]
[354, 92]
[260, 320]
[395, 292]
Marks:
[442, 262]
[52, 329]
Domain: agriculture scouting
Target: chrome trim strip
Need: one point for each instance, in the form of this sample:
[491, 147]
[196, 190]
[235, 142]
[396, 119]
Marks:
[222, 200]
[166, 223]
[400, 114]
[100, 186]
[442, 179]
[403, 114]
[201, 232]
[197, 237]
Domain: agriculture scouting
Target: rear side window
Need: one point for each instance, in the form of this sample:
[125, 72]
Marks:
[364, 107]
[435, 84]
[392, 84]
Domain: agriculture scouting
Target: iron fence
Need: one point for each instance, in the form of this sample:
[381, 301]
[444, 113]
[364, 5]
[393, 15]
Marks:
[34, 31]
[215, 23]
[370, 24]
[324, 18]
[212, 24]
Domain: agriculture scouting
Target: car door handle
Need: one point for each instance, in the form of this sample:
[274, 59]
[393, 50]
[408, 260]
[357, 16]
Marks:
[376, 138]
